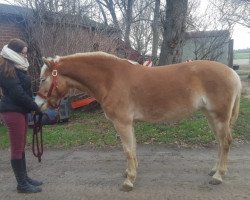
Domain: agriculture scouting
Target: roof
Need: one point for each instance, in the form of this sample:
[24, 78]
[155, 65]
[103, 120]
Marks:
[6, 9]
[19, 11]
[207, 34]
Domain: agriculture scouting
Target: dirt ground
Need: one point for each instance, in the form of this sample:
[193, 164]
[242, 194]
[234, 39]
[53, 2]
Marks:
[165, 173]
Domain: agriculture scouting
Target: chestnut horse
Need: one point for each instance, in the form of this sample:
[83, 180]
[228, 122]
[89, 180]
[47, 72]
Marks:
[128, 92]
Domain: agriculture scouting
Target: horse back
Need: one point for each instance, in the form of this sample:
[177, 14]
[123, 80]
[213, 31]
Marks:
[172, 92]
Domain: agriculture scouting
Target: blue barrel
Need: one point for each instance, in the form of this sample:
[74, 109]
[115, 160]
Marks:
[53, 116]
[64, 110]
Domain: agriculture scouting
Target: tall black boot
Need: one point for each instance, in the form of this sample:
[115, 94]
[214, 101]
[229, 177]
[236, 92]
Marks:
[22, 185]
[30, 181]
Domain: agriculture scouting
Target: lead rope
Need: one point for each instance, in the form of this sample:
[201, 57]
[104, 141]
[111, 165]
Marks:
[36, 143]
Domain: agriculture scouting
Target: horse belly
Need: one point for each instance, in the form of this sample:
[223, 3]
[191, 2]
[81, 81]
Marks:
[164, 115]
[171, 105]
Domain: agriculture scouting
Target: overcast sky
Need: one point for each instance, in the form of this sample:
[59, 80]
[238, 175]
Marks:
[241, 35]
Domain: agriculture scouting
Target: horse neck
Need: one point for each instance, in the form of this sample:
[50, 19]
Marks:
[91, 76]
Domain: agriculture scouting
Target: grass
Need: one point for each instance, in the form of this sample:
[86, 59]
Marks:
[94, 128]
[242, 128]
[241, 55]
[243, 73]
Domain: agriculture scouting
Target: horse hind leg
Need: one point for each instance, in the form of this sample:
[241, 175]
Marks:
[224, 141]
[129, 146]
[223, 136]
[222, 130]
[212, 127]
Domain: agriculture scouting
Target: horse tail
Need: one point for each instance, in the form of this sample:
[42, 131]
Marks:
[236, 107]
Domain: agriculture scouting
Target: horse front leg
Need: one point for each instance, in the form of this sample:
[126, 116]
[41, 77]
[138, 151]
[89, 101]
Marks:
[135, 158]
[125, 130]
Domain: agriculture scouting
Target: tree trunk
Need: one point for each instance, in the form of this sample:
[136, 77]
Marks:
[113, 14]
[109, 4]
[155, 29]
[103, 14]
[174, 30]
[128, 21]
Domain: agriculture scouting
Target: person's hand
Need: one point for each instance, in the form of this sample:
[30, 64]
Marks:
[37, 116]
[38, 112]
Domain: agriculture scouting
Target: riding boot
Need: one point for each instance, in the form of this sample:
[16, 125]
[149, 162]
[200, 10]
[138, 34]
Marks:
[22, 184]
[30, 181]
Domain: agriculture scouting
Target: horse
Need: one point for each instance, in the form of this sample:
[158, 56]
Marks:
[128, 92]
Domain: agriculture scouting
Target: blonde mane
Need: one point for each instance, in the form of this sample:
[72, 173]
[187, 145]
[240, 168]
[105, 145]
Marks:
[91, 55]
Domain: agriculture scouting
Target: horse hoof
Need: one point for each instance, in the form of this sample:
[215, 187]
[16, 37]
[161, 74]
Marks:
[127, 186]
[215, 181]
[212, 173]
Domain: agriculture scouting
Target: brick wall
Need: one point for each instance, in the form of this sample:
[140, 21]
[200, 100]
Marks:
[8, 30]
[68, 40]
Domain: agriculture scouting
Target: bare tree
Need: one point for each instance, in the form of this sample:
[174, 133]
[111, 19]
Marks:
[60, 27]
[141, 32]
[155, 29]
[126, 10]
[125, 14]
[233, 11]
[110, 5]
[174, 26]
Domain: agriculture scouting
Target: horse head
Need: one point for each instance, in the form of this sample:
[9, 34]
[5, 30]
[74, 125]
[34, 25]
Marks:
[52, 85]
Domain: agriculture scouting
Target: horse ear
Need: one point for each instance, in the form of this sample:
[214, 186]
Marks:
[46, 61]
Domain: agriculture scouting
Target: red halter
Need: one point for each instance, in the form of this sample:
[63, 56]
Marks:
[54, 84]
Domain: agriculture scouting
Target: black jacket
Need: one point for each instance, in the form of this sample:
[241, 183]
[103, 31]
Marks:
[17, 94]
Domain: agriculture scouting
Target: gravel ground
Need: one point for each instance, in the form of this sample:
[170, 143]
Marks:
[165, 172]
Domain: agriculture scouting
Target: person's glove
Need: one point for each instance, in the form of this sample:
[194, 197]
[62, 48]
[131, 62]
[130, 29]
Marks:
[38, 111]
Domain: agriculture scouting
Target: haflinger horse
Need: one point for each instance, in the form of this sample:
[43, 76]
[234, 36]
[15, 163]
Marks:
[129, 92]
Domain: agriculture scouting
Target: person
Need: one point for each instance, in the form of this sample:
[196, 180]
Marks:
[15, 105]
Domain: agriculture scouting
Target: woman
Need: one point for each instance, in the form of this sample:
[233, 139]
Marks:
[15, 105]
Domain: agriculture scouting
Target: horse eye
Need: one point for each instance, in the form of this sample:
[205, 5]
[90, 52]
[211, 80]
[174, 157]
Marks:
[42, 80]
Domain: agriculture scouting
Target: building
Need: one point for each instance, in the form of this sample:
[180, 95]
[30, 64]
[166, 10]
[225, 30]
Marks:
[11, 23]
[209, 45]
[58, 34]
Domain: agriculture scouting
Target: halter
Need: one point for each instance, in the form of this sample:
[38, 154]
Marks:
[54, 84]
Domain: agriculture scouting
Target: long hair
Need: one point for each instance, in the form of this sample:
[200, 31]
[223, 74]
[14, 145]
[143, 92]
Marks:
[7, 67]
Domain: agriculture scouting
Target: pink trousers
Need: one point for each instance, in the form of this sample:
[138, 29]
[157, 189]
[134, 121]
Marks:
[17, 125]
